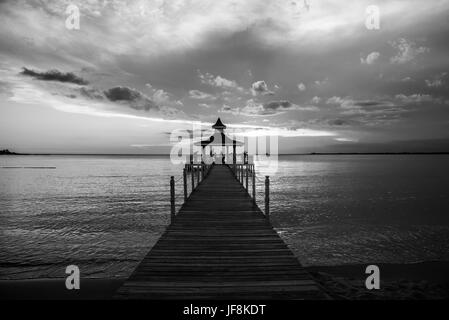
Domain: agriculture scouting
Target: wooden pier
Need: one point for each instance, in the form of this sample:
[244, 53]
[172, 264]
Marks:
[220, 245]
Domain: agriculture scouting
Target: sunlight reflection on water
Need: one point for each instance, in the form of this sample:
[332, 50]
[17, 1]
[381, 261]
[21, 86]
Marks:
[104, 213]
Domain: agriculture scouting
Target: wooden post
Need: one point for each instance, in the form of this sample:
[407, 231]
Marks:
[184, 178]
[193, 180]
[197, 175]
[202, 172]
[267, 196]
[172, 197]
[246, 171]
[254, 187]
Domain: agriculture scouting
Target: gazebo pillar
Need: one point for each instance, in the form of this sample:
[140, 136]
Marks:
[234, 150]
[203, 150]
[219, 140]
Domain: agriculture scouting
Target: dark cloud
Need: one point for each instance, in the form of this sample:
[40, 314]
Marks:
[338, 122]
[134, 98]
[279, 105]
[369, 103]
[122, 94]
[54, 75]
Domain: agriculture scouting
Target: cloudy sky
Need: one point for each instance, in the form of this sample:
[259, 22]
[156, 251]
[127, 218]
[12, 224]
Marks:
[310, 72]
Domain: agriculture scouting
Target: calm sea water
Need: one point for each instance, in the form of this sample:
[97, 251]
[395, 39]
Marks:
[103, 213]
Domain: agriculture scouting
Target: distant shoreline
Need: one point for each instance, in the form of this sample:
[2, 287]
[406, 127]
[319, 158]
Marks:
[282, 154]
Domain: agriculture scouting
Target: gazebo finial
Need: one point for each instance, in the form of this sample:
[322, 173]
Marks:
[219, 125]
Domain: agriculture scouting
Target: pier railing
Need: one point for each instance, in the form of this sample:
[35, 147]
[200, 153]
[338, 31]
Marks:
[246, 175]
[194, 174]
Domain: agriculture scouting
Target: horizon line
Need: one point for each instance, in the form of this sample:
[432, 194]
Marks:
[280, 154]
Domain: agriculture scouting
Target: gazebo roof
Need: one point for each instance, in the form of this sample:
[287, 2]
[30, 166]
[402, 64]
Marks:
[218, 125]
[219, 139]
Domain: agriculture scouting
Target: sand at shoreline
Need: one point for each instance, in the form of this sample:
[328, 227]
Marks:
[54, 289]
[427, 280]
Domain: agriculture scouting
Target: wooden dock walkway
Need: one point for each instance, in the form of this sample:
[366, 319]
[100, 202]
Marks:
[220, 246]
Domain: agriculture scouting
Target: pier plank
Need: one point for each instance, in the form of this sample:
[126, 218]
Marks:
[220, 246]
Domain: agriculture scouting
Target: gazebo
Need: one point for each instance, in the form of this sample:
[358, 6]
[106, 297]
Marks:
[220, 140]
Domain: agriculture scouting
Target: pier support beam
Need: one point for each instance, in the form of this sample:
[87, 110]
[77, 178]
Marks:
[246, 173]
[184, 178]
[197, 175]
[254, 186]
[267, 196]
[172, 197]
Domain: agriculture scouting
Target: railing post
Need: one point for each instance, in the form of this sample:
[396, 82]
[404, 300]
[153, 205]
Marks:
[172, 196]
[192, 173]
[246, 172]
[267, 196]
[197, 175]
[184, 178]
[254, 187]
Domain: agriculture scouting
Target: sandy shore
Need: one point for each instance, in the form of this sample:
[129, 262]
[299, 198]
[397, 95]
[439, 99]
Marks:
[54, 289]
[427, 280]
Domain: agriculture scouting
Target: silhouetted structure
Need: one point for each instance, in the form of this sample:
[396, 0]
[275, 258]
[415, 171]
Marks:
[221, 141]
